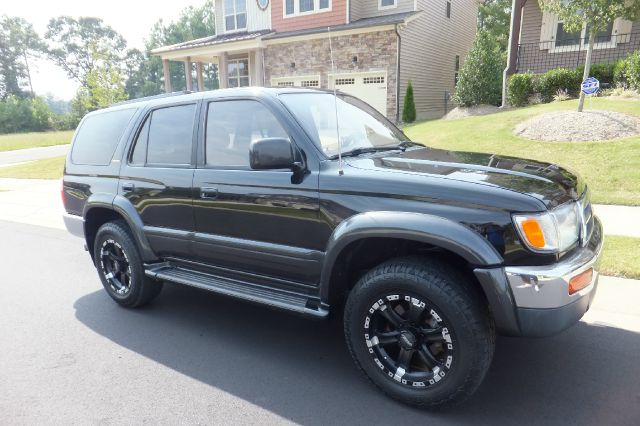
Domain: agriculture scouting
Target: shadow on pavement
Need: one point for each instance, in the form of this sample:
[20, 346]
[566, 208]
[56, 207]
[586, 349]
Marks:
[301, 370]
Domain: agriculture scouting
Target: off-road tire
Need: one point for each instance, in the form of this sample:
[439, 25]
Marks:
[459, 302]
[141, 289]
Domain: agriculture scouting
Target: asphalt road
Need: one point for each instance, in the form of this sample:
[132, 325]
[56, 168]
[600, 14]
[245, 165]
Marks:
[29, 154]
[69, 355]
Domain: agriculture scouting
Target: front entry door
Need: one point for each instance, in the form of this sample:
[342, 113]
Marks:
[261, 224]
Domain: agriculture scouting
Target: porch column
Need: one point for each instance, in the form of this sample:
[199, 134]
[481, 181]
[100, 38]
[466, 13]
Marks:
[514, 41]
[167, 75]
[222, 71]
[199, 76]
[187, 73]
[259, 67]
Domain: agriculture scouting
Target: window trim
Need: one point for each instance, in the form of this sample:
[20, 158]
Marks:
[205, 113]
[583, 45]
[391, 6]
[235, 18]
[236, 60]
[140, 125]
[296, 9]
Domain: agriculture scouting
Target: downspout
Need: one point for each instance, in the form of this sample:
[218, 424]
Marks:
[514, 41]
[398, 45]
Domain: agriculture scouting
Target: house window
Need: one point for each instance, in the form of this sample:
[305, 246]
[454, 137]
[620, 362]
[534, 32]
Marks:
[580, 38]
[603, 36]
[448, 9]
[235, 15]
[238, 72]
[565, 38]
[305, 7]
[386, 4]
[457, 71]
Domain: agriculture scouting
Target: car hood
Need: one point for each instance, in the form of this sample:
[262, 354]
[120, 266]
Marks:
[550, 183]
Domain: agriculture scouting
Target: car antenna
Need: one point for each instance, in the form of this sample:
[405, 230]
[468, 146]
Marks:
[335, 105]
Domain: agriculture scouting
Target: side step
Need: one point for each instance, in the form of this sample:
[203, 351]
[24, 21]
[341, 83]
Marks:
[254, 293]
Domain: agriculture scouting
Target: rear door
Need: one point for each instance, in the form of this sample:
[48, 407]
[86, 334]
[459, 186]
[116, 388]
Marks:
[157, 176]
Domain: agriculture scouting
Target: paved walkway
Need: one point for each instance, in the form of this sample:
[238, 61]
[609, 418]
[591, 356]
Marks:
[23, 155]
[619, 220]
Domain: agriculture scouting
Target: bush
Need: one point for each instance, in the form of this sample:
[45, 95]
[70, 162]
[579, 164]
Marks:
[620, 73]
[632, 71]
[550, 82]
[24, 115]
[480, 80]
[603, 72]
[520, 89]
[409, 107]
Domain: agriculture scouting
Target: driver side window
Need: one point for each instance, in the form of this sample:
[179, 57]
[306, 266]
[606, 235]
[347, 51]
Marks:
[232, 126]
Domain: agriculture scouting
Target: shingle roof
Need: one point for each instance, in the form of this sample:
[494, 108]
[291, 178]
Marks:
[396, 18]
[213, 40]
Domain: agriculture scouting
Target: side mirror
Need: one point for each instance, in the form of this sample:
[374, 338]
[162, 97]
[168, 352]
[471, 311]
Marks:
[271, 153]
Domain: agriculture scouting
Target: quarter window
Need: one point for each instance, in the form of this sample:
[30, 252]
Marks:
[98, 137]
[304, 7]
[235, 15]
[166, 137]
[229, 134]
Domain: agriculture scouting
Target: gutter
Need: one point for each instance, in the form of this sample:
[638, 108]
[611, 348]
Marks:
[398, 45]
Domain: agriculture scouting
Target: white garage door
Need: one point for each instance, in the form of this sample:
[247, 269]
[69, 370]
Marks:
[371, 87]
[297, 81]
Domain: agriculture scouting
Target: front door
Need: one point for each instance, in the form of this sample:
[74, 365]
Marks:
[157, 175]
[260, 224]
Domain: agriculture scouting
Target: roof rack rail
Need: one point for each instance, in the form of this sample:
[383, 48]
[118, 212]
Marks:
[150, 98]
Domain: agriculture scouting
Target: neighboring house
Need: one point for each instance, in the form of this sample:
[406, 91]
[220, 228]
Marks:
[539, 42]
[378, 46]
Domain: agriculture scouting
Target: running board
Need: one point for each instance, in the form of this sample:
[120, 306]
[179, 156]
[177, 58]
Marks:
[254, 293]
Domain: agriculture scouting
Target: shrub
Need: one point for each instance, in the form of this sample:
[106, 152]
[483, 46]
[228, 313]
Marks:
[480, 80]
[620, 73]
[603, 72]
[520, 89]
[550, 82]
[632, 71]
[561, 95]
[409, 107]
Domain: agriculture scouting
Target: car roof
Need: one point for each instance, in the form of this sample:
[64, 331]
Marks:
[186, 96]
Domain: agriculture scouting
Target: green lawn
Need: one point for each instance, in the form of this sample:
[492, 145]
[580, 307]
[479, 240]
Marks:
[621, 257]
[32, 140]
[47, 168]
[612, 169]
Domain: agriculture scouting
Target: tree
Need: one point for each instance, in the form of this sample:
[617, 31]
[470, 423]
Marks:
[79, 46]
[595, 15]
[494, 18]
[104, 87]
[480, 80]
[19, 43]
[409, 107]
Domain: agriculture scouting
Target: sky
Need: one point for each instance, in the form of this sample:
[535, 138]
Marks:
[131, 18]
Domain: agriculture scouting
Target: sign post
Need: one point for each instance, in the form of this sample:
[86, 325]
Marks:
[590, 86]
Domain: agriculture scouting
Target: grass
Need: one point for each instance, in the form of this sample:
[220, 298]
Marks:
[33, 140]
[47, 168]
[621, 257]
[612, 169]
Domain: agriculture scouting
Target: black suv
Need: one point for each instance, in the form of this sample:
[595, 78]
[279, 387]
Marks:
[317, 204]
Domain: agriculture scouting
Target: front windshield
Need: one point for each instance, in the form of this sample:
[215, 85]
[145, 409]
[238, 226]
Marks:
[360, 125]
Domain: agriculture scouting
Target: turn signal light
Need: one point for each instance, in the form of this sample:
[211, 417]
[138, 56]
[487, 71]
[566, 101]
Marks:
[580, 281]
[533, 232]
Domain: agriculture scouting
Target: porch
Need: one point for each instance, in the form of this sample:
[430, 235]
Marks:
[239, 59]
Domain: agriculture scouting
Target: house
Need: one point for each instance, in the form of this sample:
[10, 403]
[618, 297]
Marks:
[538, 41]
[378, 47]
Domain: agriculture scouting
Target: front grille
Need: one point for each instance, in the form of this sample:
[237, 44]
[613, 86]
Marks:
[586, 218]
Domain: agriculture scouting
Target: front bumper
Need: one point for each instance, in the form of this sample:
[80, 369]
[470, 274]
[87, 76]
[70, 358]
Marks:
[535, 301]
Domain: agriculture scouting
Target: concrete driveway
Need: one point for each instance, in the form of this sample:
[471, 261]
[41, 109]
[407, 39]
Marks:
[69, 355]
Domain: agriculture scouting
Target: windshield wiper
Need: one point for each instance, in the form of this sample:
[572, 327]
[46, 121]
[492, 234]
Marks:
[406, 144]
[365, 150]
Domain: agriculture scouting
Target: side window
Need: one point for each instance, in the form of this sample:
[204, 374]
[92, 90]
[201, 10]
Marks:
[169, 137]
[99, 135]
[232, 126]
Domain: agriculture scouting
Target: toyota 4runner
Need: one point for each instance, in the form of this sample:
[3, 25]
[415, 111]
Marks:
[314, 203]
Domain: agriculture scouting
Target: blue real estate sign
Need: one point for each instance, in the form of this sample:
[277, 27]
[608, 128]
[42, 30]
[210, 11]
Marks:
[590, 86]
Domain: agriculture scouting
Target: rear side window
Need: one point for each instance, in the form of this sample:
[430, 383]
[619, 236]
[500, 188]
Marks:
[166, 137]
[98, 137]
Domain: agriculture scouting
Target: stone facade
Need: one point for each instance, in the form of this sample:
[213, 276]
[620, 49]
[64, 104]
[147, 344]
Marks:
[376, 51]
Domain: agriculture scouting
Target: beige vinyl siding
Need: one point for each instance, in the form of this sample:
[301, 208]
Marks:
[257, 19]
[536, 58]
[430, 44]
[368, 8]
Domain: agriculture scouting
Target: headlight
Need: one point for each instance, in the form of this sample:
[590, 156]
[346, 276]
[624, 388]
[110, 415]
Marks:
[553, 231]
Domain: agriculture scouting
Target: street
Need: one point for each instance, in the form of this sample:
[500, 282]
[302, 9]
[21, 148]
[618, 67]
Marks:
[72, 356]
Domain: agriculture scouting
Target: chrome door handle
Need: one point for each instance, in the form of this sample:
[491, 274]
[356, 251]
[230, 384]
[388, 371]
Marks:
[128, 186]
[209, 192]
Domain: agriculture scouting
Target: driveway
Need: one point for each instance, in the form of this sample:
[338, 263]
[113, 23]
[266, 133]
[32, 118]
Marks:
[29, 154]
[72, 356]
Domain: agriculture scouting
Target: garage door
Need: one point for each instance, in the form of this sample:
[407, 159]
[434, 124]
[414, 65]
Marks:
[297, 81]
[370, 87]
